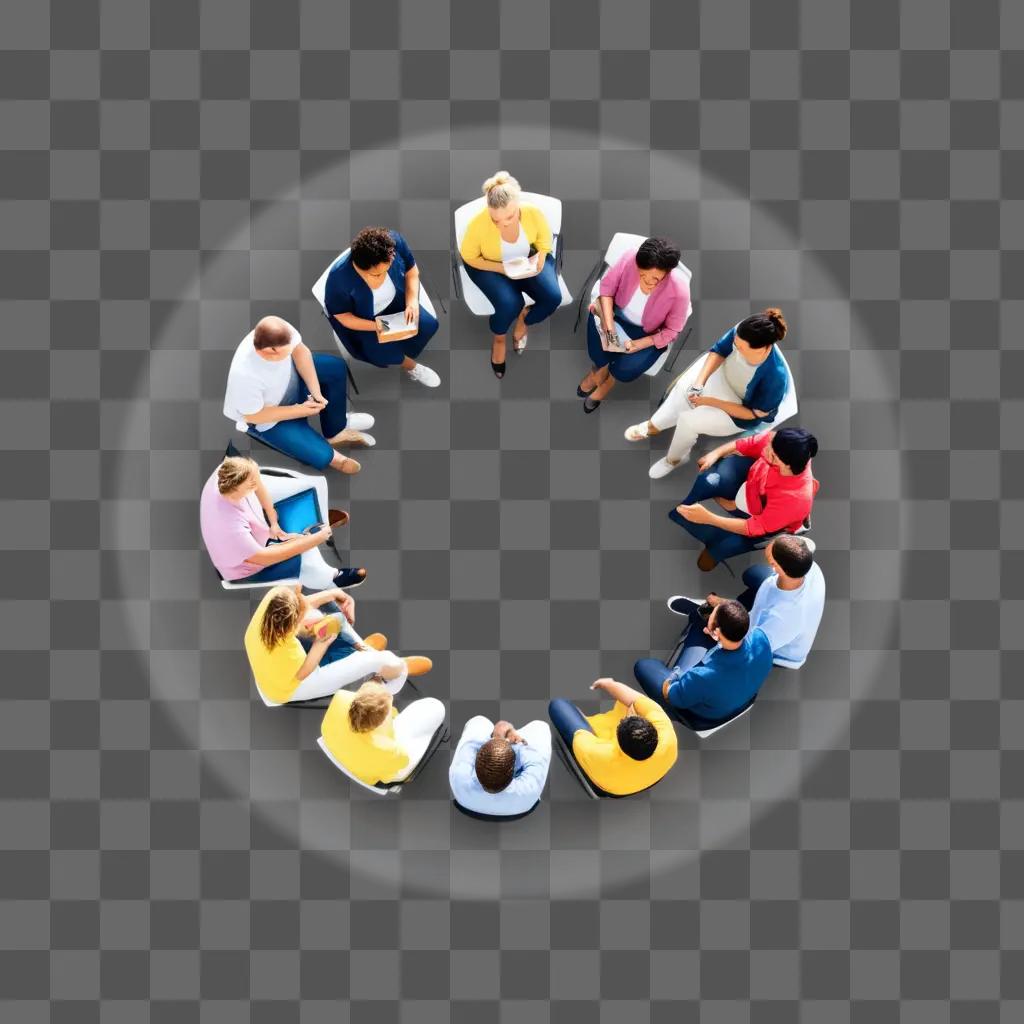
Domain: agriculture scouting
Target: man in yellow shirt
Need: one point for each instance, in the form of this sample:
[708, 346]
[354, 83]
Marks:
[364, 733]
[621, 751]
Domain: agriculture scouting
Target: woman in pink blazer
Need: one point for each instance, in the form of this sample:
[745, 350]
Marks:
[644, 302]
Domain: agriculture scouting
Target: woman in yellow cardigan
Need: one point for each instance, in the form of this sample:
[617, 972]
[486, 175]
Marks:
[507, 253]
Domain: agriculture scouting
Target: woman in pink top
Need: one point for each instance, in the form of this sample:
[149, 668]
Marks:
[644, 302]
[265, 529]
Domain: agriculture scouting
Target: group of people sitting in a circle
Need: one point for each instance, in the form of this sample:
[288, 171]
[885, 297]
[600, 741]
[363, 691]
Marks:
[270, 528]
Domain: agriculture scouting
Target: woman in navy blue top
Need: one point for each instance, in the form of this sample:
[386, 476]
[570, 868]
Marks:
[739, 385]
[379, 277]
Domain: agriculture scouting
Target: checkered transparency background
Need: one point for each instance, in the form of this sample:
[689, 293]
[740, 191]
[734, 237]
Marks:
[173, 851]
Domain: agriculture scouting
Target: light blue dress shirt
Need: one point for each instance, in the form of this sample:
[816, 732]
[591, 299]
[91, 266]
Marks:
[533, 759]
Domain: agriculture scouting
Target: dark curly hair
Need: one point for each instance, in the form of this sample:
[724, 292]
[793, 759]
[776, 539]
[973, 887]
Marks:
[795, 446]
[371, 247]
[657, 253]
[495, 765]
[732, 620]
[763, 329]
[637, 738]
[793, 555]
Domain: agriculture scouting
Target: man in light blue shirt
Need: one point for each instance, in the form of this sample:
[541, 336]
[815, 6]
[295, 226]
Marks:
[785, 597]
[497, 771]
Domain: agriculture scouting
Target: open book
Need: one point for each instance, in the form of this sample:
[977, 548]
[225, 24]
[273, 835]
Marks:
[394, 327]
[521, 266]
[614, 341]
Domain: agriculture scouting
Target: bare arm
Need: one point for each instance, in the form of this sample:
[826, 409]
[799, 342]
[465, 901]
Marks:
[355, 323]
[276, 413]
[735, 409]
[316, 652]
[303, 360]
[620, 692]
[606, 306]
[712, 361]
[412, 287]
[479, 263]
[275, 553]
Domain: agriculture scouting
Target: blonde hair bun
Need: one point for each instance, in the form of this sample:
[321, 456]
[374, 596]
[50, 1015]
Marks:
[501, 189]
[234, 471]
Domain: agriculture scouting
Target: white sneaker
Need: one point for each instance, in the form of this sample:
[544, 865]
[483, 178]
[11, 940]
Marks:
[637, 432]
[424, 375]
[663, 467]
[359, 421]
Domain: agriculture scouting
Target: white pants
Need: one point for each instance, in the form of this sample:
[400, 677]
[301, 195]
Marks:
[356, 668]
[690, 423]
[414, 727]
[315, 572]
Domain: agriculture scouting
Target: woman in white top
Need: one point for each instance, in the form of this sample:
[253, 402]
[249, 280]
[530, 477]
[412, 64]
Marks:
[738, 385]
[275, 383]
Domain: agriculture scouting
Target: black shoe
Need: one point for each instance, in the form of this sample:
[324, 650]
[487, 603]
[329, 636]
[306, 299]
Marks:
[584, 394]
[684, 605]
[498, 368]
[348, 579]
[589, 405]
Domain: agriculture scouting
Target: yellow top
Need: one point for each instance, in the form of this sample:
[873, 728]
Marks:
[370, 756]
[601, 757]
[275, 670]
[483, 240]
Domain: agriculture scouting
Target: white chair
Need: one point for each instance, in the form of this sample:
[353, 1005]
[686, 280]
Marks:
[705, 733]
[319, 290]
[378, 790]
[623, 242]
[475, 299]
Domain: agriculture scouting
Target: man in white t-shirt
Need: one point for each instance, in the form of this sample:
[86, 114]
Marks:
[785, 598]
[275, 384]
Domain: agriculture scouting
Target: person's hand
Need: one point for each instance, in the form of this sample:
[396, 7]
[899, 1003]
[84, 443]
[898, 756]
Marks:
[694, 513]
[362, 646]
[378, 325]
[696, 401]
[347, 603]
[602, 683]
[323, 533]
[501, 730]
[693, 393]
[412, 314]
[326, 639]
[317, 396]
[705, 462]
[513, 737]
[276, 533]
[714, 600]
[310, 407]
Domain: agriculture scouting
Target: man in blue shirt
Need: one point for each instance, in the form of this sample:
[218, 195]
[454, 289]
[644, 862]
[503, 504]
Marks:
[785, 596]
[719, 672]
[497, 771]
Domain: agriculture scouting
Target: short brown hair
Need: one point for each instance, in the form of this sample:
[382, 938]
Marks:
[234, 471]
[372, 247]
[271, 332]
[280, 617]
[495, 764]
[370, 707]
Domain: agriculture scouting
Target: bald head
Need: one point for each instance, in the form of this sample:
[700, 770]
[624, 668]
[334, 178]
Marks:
[271, 332]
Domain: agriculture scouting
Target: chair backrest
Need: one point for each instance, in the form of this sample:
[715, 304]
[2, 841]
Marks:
[378, 790]
[705, 733]
[548, 205]
[788, 408]
[319, 289]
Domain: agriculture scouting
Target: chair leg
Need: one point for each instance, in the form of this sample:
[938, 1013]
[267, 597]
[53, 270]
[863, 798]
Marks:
[570, 762]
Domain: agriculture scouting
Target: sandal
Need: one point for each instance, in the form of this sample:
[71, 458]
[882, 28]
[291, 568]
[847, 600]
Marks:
[519, 347]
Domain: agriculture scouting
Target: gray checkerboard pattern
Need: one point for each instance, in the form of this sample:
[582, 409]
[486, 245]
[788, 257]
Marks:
[173, 851]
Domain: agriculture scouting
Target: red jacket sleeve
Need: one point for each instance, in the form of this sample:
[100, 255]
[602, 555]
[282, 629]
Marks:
[752, 446]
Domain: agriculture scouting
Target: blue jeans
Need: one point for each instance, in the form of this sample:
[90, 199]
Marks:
[367, 347]
[296, 438]
[567, 719]
[506, 295]
[722, 480]
[753, 577]
[293, 517]
[623, 366]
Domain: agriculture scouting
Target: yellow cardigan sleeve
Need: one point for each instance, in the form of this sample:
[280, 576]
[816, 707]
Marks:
[538, 231]
[473, 239]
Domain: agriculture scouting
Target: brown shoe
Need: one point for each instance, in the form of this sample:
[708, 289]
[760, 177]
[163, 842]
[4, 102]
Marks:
[337, 517]
[378, 641]
[706, 561]
[352, 439]
[418, 665]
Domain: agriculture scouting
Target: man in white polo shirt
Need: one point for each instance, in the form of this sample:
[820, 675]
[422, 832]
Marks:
[275, 384]
[785, 597]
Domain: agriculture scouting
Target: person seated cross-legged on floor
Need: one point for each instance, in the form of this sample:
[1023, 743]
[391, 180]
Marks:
[499, 771]
[721, 668]
[763, 482]
[297, 652]
[275, 384]
[380, 278]
[785, 596]
[373, 740]
[621, 751]
[246, 540]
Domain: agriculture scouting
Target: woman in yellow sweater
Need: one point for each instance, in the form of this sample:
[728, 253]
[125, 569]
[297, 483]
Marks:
[507, 252]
